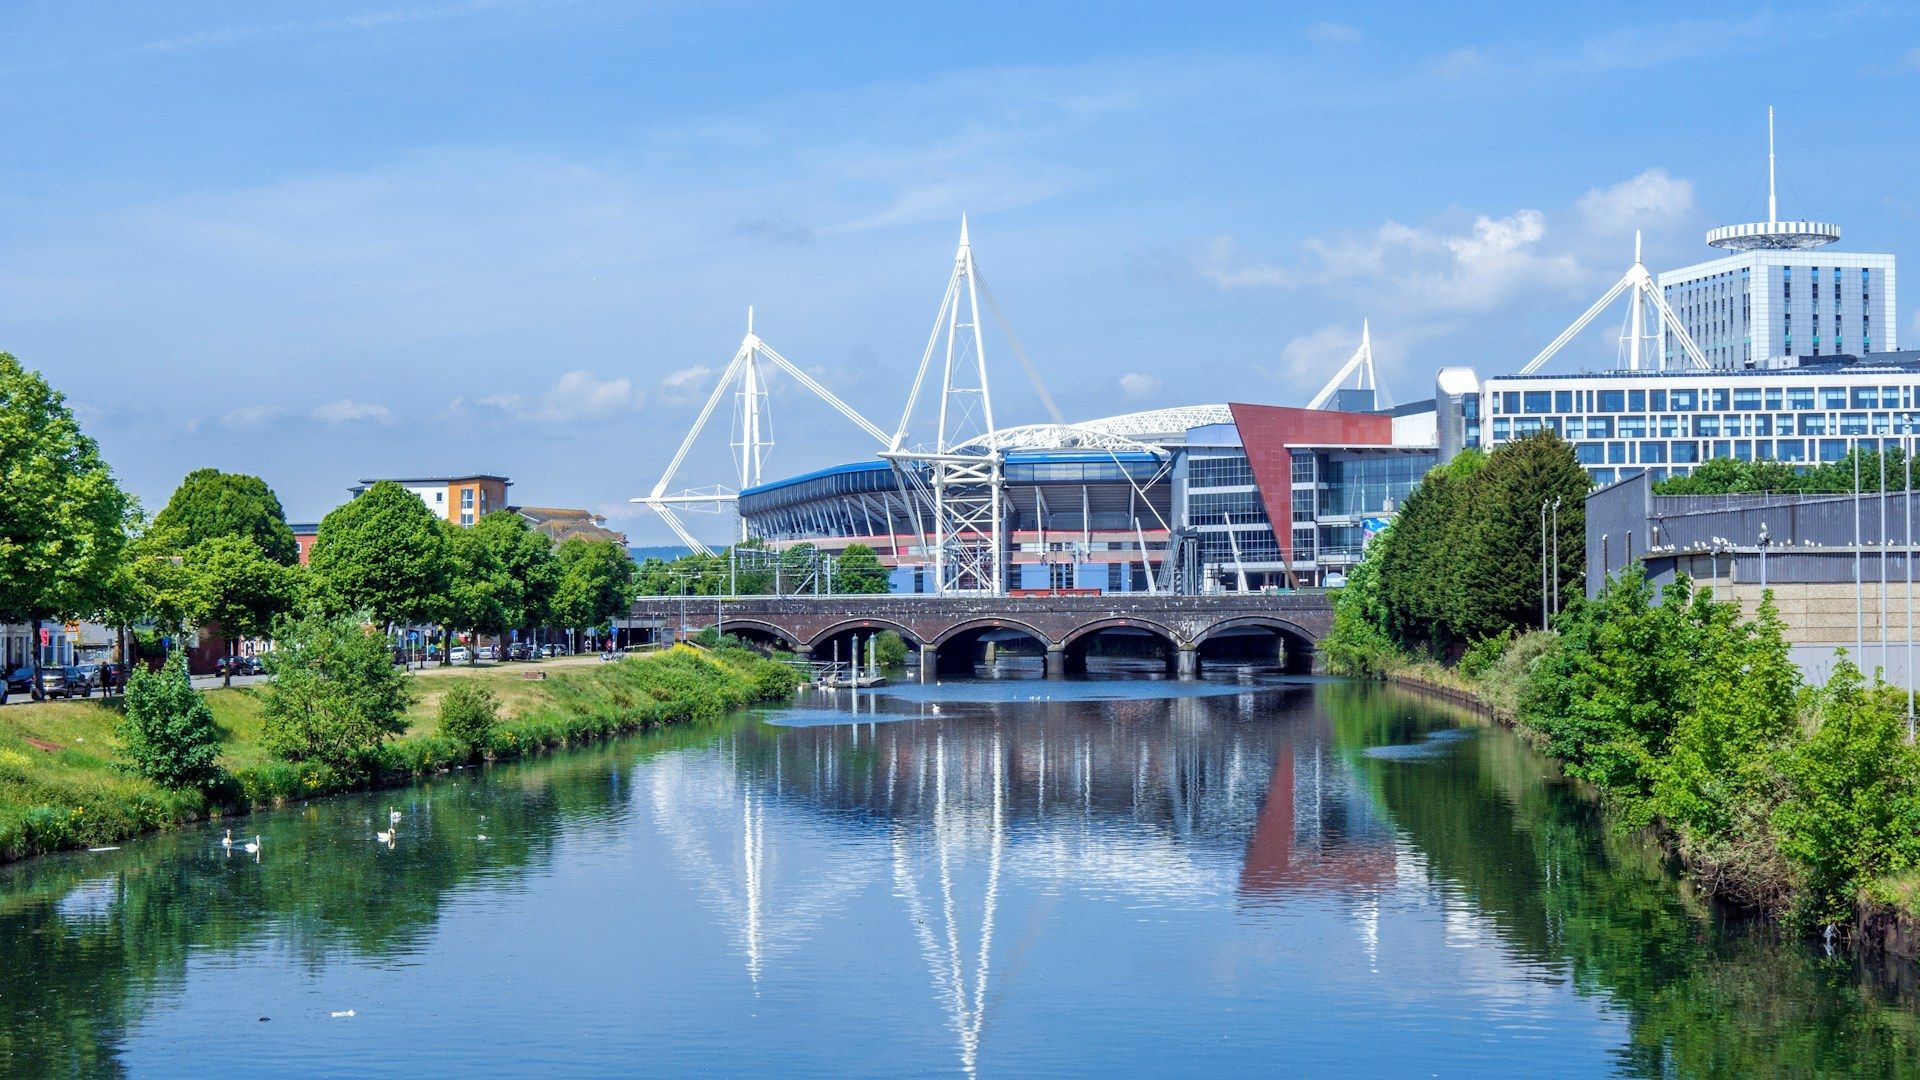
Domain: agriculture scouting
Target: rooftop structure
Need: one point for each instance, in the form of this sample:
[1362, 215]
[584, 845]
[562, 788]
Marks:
[459, 500]
[561, 524]
[1773, 234]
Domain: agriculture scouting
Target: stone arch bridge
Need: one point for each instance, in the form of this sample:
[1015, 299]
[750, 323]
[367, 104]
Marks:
[947, 630]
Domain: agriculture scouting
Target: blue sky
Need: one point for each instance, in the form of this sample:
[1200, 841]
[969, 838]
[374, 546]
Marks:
[325, 241]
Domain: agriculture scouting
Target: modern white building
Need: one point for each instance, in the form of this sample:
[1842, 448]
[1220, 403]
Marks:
[1667, 422]
[1779, 295]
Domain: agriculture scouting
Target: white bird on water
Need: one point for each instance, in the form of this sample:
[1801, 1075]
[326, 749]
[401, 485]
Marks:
[482, 836]
[393, 815]
[227, 840]
[252, 846]
[386, 837]
[936, 710]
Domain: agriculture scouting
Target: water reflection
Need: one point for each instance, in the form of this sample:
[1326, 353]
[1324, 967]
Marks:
[1338, 877]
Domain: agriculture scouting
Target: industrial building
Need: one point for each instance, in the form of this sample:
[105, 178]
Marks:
[1840, 567]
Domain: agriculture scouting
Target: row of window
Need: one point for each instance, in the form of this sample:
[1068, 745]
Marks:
[1667, 426]
[1718, 399]
[1213, 472]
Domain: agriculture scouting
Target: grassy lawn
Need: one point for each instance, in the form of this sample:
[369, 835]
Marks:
[60, 786]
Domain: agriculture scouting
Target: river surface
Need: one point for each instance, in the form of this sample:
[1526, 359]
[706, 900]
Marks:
[1236, 876]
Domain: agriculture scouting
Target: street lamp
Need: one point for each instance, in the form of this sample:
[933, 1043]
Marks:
[1556, 554]
[1543, 563]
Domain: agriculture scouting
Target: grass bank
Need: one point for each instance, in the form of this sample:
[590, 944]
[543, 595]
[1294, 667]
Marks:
[60, 786]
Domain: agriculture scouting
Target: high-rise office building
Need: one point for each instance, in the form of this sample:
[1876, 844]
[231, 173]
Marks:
[1779, 295]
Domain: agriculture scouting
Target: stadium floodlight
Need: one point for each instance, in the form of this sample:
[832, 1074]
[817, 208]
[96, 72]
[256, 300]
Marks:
[1642, 292]
[1360, 362]
[752, 435]
[958, 479]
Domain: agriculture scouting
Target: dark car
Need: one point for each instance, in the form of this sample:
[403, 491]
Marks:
[81, 679]
[20, 680]
[53, 681]
[520, 651]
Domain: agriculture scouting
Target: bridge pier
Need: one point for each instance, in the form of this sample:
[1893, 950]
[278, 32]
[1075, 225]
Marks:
[1187, 661]
[1056, 659]
[929, 663]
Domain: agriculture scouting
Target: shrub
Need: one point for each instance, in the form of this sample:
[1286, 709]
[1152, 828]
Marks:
[336, 695]
[1482, 654]
[1852, 812]
[469, 716]
[168, 734]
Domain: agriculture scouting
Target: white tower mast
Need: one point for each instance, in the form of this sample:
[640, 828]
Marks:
[751, 440]
[961, 473]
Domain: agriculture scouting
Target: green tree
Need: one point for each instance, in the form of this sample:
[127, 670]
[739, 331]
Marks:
[1359, 645]
[1419, 557]
[859, 570]
[336, 695]
[210, 503]
[483, 596]
[63, 520]
[233, 585]
[383, 554]
[596, 583]
[167, 733]
[1497, 574]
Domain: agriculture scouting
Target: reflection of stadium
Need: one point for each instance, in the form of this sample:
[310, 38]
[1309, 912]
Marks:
[1163, 800]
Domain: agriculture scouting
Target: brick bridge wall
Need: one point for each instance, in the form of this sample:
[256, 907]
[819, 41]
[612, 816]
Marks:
[1058, 621]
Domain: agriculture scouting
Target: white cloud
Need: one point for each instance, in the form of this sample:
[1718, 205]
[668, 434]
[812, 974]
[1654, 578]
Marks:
[581, 395]
[1331, 33]
[1220, 263]
[1307, 361]
[1136, 385]
[251, 416]
[1409, 270]
[1652, 198]
[347, 410]
[1460, 63]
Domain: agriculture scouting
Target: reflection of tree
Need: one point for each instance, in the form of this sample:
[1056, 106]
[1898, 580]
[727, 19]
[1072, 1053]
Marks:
[88, 941]
[1538, 864]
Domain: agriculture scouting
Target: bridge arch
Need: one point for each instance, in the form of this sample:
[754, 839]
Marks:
[1240, 639]
[1126, 637]
[959, 647]
[862, 624]
[762, 631]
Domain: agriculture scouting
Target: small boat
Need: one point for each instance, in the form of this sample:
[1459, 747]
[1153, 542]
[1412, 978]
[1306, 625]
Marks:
[856, 682]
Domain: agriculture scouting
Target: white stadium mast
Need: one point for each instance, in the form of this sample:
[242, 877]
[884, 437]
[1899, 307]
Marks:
[1361, 362]
[958, 479]
[752, 435]
[1643, 292]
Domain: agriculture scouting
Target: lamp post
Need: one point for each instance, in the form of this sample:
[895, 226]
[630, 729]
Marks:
[1543, 563]
[1556, 554]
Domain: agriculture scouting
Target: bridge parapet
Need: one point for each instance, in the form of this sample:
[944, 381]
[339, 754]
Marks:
[927, 622]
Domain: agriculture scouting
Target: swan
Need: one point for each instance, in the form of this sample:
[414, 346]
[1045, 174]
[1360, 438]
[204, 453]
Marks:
[936, 710]
[252, 846]
[227, 840]
[393, 815]
[482, 836]
[386, 837]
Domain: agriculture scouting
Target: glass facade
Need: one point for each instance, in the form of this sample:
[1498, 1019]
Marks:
[1622, 422]
[1746, 309]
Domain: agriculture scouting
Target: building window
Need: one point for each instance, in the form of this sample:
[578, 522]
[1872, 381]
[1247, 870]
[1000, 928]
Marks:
[1536, 401]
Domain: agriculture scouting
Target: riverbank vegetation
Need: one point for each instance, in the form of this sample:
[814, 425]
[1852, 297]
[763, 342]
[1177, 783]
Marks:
[80, 773]
[1685, 716]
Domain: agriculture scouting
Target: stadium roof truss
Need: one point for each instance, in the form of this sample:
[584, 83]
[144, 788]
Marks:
[752, 435]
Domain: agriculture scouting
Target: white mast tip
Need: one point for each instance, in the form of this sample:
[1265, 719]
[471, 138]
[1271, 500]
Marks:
[963, 230]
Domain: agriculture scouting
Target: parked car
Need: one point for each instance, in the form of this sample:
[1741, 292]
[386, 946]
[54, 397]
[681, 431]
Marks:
[20, 680]
[81, 679]
[488, 652]
[459, 655]
[53, 681]
[520, 650]
[553, 650]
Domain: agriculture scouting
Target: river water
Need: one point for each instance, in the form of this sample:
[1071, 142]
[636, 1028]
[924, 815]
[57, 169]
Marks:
[1236, 876]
